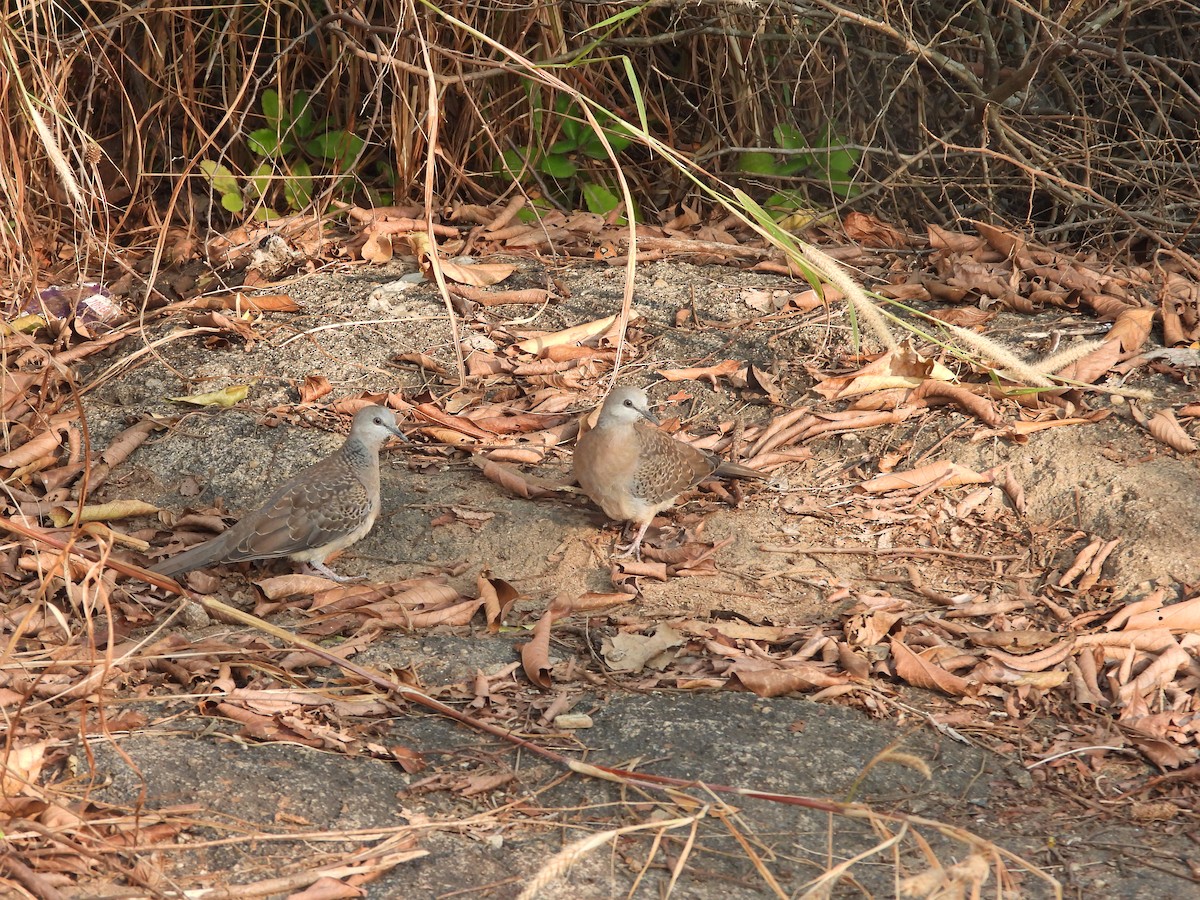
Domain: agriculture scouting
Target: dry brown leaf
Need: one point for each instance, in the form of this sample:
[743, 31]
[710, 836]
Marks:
[34, 448]
[903, 369]
[22, 768]
[979, 407]
[943, 473]
[281, 587]
[377, 249]
[498, 596]
[919, 672]
[127, 441]
[711, 373]
[767, 680]
[511, 480]
[630, 653]
[535, 654]
[965, 316]
[314, 388]
[239, 302]
[867, 229]
[1183, 616]
[1167, 430]
[576, 334]
[941, 239]
[102, 512]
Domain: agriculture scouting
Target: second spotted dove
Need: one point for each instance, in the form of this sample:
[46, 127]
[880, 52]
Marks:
[315, 513]
[633, 471]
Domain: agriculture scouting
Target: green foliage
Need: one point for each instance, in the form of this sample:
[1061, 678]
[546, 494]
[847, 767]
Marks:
[565, 161]
[293, 142]
[824, 160]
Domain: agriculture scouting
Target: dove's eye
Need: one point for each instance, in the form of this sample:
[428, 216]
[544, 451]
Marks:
[629, 403]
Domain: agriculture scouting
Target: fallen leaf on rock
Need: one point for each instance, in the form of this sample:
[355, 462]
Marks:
[225, 397]
[1167, 430]
[314, 388]
[630, 653]
[943, 473]
[535, 654]
[102, 512]
[919, 672]
[774, 678]
[526, 486]
[34, 448]
[576, 334]
[498, 596]
[904, 368]
[710, 373]
[280, 587]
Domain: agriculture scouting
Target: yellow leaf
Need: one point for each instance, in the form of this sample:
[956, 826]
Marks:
[226, 397]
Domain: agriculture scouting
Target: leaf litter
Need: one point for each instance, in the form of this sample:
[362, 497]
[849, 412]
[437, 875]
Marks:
[972, 610]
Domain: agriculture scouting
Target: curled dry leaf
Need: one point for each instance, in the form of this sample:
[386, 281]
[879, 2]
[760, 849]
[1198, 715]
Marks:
[708, 373]
[943, 473]
[630, 653]
[283, 586]
[226, 397]
[535, 654]
[777, 679]
[102, 512]
[314, 388]
[127, 441]
[510, 479]
[979, 407]
[35, 448]
[591, 601]
[895, 369]
[1167, 430]
[498, 596]
[1184, 616]
[576, 334]
[919, 672]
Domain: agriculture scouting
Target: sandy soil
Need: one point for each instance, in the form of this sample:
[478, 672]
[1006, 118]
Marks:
[1105, 480]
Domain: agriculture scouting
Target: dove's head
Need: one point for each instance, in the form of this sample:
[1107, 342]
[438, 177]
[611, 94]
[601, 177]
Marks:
[375, 424]
[625, 406]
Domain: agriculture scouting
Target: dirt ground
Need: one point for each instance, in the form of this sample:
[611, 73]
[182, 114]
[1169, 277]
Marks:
[1108, 479]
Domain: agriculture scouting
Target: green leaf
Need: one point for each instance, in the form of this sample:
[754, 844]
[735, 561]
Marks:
[264, 214]
[788, 137]
[559, 167]
[297, 188]
[302, 117]
[617, 18]
[841, 162]
[270, 106]
[572, 130]
[260, 180]
[219, 176]
[599, 198]
[758, 162]
[563, 147]
[341, 147]
[232, 202]
[264, 142]
[786, 201]
[511, 163]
